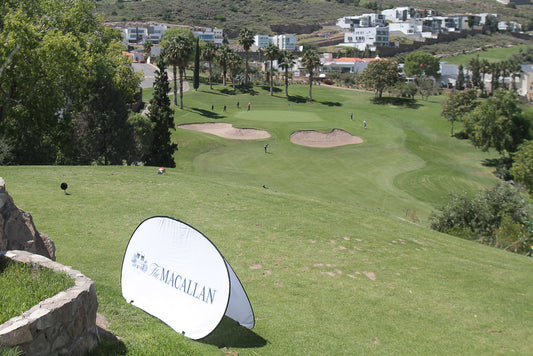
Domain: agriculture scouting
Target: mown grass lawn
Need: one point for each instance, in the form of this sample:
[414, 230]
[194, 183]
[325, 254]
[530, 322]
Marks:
[335, 253]
[490, 54]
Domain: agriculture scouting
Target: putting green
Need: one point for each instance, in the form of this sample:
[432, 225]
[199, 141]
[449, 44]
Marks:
[271, 115]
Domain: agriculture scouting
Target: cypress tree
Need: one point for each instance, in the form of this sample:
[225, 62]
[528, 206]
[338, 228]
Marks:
[196, 82]
[161, 149]
[460, 82]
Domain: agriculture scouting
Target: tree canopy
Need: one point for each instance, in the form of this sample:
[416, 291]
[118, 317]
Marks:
[458, 104]
[59, 68]
[178, 51]
[419, 63]
[380, 74]
[246, 40]
[499, 123]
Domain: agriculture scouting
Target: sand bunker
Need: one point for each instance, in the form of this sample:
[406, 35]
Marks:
[334, 138]
[227, 131]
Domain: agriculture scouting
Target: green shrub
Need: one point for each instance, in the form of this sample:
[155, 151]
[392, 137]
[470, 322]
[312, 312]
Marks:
[497, 217]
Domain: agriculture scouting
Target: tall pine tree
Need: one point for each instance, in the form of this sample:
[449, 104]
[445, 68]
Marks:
[460, 82]
[161, 149]
[196, 79]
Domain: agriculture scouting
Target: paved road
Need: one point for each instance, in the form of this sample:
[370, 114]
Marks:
[149, 75]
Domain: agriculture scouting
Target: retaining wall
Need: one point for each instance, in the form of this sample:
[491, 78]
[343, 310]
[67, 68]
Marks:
[64, 324]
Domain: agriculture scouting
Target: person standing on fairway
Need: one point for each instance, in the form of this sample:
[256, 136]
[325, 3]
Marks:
[364, 124]
[266, 148]
[249, 106]
[351, 116]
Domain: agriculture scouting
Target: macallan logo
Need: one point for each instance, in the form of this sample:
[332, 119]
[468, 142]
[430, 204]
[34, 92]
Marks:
[175, 280]
[138, 261]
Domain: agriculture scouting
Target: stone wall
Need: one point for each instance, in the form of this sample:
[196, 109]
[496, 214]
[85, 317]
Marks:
[17, 230]
[64, 324]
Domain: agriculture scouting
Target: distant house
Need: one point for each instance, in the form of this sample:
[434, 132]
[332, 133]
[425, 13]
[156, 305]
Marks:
[283, 42]
[346, 64]
[525, 84]
[463, 21]
[405, 13]
[213, 35]
[365, 20]
[511, 26]
[516, 2]
[448, 74]
[138, 35]
[261, 41]
[372, 37]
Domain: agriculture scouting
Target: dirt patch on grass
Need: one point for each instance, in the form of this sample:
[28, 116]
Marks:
[336, 137]
[227, 131]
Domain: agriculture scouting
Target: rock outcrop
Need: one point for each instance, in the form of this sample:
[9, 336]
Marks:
[17, 230]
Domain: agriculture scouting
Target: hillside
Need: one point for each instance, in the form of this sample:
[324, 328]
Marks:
[331, 244]
[259, 15]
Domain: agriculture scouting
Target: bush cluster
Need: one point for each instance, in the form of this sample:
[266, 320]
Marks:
[497, 217]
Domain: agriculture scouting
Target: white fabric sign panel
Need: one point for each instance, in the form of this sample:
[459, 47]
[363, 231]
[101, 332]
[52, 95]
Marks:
[173, 272]
[239, 308]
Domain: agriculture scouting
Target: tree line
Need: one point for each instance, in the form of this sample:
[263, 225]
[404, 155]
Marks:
[65, 87]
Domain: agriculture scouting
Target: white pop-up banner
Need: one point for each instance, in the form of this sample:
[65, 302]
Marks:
[175, 273]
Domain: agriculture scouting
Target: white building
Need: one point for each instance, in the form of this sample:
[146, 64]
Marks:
[139, 35]
[285, 42]
[346, 64]
[134, 34]
[372, 37]
[511, 26]
[410, 27]
[262, 41]
[214, 35]
[399, 14]
[405, 13]
[525, 86]
[365, 20]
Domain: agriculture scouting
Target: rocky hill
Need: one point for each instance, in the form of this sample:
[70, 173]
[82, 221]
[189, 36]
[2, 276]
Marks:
[288, 16]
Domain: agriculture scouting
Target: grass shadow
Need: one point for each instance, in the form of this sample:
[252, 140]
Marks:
[108, 344]
[207, 113]
[230, 334]
[330, 103]
[499, 162]
[239, 90]
[297, 99]
[274, 89]
[214, 91]
[391, 100]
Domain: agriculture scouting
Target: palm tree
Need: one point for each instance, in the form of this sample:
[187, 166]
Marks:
[209, 53]
[271, 53]
[178, 52]
[286, 62]
[474, 66]
[246, 40]
[147, 47]
[515, 69]
[495, 74]
[485, 68]
[223, 57]
[504, 69]
[311, 61]
[234, 64]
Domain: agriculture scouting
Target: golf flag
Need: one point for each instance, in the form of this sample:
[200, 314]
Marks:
[175, 273]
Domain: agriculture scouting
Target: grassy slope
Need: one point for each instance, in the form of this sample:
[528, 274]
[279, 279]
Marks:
[492, 55]
[325, 254]
[260, 14]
